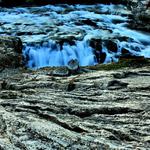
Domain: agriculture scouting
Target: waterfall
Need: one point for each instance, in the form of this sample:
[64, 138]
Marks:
[51, 54]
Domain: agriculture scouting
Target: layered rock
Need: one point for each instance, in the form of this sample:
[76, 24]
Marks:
[10, 51]
[97, 110]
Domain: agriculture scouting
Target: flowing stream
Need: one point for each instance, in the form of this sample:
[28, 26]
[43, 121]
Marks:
[53, 35]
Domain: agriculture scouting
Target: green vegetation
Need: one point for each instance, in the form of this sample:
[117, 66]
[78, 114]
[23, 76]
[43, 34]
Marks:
[123, 63]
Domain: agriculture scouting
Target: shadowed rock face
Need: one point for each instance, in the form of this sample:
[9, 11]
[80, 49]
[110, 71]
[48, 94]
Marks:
[141, 16]
[101, 110]
[10, 51]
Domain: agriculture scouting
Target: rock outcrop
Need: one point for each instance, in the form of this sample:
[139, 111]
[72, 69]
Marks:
[140, 18]
[97, 110]
[10, 51]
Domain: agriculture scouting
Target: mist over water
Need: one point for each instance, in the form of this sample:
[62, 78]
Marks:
[42, 28]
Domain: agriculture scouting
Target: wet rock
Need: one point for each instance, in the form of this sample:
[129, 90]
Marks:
[129, 56]
[87, 22]
[73, 66]
[124, 38]
[102, 57]
[96, 43]
[141, 22]
[11, 51]
[126, 53]
[66, 40]
[115, 21]
[111, 45]
[140, 16]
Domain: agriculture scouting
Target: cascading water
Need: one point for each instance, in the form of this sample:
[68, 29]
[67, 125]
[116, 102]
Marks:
[50, 54]
[48, 24]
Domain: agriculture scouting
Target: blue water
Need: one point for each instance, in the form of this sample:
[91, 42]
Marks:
[61, 24]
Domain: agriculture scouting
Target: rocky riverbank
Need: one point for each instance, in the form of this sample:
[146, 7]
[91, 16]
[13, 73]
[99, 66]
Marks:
[73, 105]
[105, 108]
[96, 110]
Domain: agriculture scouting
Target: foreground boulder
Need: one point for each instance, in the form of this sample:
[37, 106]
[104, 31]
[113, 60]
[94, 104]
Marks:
[10, 51]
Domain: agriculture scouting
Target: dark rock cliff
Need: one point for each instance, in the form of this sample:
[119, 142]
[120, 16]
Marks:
[10, 51]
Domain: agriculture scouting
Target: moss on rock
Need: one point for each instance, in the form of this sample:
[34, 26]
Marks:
[123, 63]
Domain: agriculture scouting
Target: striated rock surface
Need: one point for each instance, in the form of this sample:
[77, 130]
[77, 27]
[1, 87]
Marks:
[97, 110]
[10, 51]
